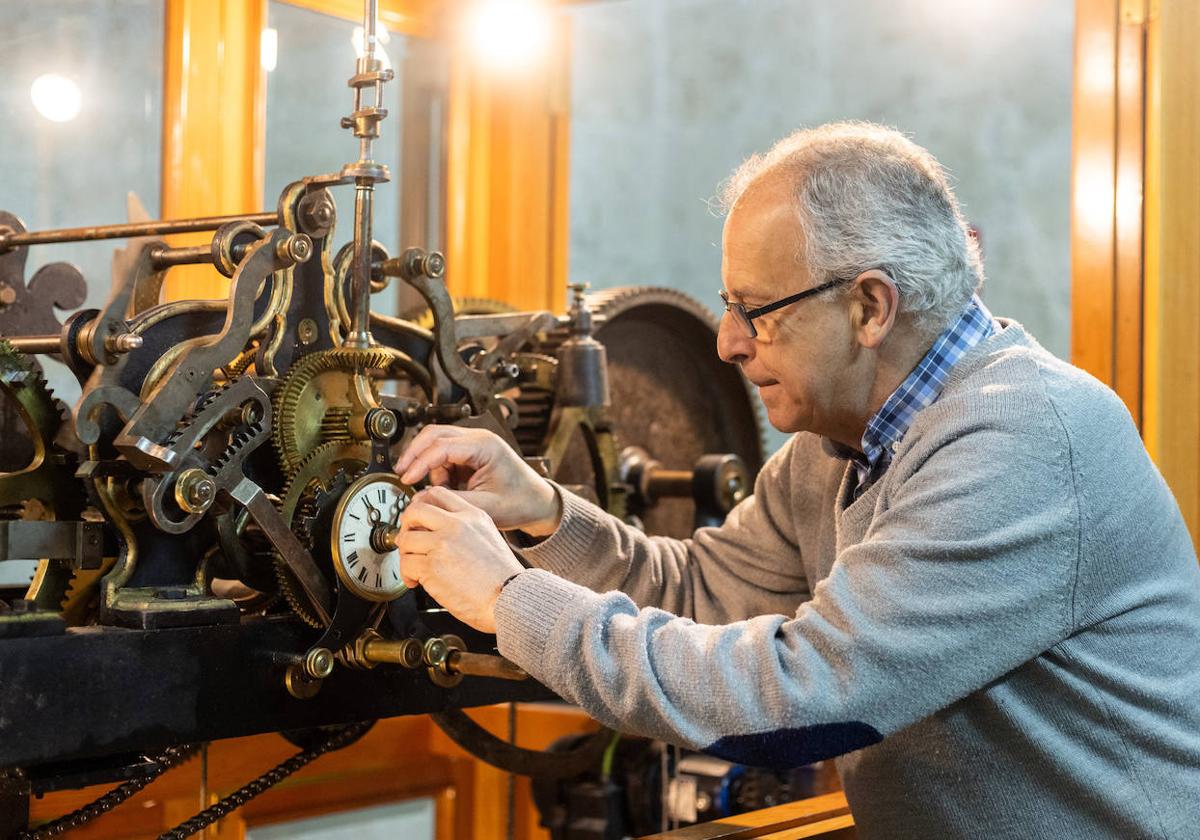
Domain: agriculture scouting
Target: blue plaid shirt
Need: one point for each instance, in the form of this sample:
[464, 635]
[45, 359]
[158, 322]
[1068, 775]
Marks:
[920, 389]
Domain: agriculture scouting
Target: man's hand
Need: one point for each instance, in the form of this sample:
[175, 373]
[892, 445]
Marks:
[451, 548]
[483, 470]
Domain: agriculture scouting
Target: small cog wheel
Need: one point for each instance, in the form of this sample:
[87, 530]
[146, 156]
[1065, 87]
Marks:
[307, 506]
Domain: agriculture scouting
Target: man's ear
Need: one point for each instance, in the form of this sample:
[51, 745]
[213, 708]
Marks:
[878, 305]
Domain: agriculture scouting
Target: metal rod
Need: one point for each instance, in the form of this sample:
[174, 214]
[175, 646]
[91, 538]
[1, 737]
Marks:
[360, 289]
[193, 255]
[11, 239]
[483, 665]
[35, 343]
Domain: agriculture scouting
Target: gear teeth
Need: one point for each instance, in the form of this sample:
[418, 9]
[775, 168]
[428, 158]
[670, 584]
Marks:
[299, 376]
[318, 472]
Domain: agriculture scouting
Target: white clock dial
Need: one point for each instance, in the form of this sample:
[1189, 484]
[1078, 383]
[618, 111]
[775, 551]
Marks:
[366, 519]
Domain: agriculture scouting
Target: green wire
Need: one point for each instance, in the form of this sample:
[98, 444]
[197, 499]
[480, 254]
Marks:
[610, 752]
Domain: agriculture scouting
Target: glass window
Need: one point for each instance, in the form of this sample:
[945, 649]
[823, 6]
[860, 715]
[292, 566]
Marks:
[80, 131]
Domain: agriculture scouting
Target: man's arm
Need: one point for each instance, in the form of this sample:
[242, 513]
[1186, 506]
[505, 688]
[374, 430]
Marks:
[748, 566]
[967, 575]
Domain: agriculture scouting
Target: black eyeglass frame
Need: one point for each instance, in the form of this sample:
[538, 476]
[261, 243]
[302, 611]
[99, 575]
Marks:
[746, 316]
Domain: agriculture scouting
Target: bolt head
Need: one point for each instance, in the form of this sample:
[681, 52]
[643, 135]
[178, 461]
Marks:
[435, 265]
[8, 295]
[297, 248]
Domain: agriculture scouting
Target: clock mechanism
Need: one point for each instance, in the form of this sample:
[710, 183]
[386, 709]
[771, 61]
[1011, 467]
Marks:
[363, 536]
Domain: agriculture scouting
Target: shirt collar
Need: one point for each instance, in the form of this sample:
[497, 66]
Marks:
[921, 388]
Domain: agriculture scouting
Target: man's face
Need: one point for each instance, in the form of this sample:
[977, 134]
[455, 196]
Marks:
[801, 357]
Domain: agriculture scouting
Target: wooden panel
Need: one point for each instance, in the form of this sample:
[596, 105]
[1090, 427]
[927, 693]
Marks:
[1093, 158]
[820, 816]
[507, 177]
[1106, 195]
[214, 122]
[1172, 345]
[1127, 208]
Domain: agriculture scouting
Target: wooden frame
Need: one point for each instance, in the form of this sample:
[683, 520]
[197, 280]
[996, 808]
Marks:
[507, 140]
[1135, 222]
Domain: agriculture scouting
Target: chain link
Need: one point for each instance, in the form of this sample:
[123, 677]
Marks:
[165, 761]
[343, 738]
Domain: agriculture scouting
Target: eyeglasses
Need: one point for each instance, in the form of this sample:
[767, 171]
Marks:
[746, 317]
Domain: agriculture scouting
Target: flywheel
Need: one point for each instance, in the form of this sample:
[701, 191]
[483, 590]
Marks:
[671, 394]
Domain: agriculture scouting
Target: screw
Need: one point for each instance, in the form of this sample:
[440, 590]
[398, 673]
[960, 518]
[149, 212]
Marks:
[306, 331]
[8, 295]
[122, 342]
[435, 265]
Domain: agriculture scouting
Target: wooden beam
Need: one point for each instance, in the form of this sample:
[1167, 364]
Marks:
[506, 208]
[1106, 195]
[214, 123]
[1172, 343]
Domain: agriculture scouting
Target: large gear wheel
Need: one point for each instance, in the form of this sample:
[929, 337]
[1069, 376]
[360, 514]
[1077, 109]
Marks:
[318, 481]
[661, 349]
[318, 395]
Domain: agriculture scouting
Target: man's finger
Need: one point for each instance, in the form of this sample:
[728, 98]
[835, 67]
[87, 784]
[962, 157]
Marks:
[423, 515]
[444, 454]
[412, 569]
[418, 542]
[426, 438]
[446, 499]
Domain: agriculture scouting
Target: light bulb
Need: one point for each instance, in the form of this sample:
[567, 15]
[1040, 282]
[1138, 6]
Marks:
[56, 97]
[510, 33]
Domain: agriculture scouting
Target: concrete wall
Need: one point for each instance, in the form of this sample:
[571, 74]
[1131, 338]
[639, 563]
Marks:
[669, 95]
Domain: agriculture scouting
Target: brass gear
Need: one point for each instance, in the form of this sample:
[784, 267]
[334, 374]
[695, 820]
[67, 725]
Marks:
[45, 488]
[318, 394]
[317, 476]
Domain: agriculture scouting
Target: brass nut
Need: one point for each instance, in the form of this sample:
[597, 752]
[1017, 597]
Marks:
[435, 265]
[381, 423]
[306, 331]
[195, 491]
[297, 248]
[8, 295]
[318, 663]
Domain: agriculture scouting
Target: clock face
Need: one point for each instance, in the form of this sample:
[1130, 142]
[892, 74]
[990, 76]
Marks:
[370, 508]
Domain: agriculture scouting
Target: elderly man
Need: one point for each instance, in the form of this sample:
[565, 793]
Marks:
[962, 574]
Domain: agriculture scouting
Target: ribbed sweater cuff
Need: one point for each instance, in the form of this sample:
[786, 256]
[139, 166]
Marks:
[568, 547]
[527, 611]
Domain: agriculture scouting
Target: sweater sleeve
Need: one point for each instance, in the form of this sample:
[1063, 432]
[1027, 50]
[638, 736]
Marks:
[748, 566]
[963, 575]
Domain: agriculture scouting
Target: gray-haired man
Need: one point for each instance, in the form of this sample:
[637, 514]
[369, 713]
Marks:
[962, 574]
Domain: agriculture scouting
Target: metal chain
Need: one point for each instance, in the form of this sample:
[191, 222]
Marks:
[168, 759]
[274, 776]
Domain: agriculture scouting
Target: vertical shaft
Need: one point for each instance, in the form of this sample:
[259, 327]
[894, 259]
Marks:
[365, 123]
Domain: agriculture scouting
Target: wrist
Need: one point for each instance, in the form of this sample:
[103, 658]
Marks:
[547, 524]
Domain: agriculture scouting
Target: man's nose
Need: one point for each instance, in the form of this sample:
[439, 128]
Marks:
[733, 345]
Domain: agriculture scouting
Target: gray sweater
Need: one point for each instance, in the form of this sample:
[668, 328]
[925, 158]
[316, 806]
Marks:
[1000, 637]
